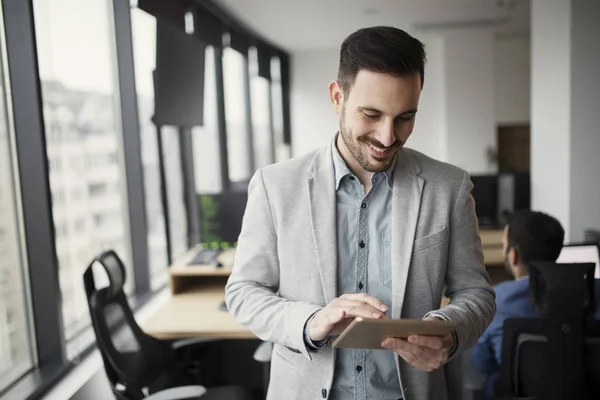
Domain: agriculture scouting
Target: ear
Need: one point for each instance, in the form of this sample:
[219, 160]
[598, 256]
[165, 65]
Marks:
[513, 257]
[336, 95]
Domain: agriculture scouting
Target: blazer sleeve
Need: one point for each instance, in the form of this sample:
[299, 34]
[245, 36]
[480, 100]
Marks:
[472, 300]
[251, 291]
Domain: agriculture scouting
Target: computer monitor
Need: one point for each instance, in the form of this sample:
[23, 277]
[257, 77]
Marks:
[485, 193]
[581, 253]
[221, 217]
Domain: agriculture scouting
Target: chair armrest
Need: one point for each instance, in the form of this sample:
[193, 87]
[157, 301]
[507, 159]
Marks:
[180, 344]
[179, 393]
[263, 352]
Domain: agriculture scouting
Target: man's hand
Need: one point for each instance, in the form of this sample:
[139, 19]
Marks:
[426, 353]
[336, 315]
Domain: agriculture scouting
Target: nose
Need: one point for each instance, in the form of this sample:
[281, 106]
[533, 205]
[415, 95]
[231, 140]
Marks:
[386, 134]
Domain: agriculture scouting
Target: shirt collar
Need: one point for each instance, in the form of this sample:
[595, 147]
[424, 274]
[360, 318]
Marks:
[341, 168]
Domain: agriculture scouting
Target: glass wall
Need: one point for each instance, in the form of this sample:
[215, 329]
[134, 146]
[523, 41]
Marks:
[234, 65]
[143, 26]
[77, 66]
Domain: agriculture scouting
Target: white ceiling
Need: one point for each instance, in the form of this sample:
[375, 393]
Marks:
[311, 24]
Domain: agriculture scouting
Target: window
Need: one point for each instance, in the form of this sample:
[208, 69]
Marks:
[207, 167]
[261, 115]
[282, 151]
[16, 350]
[77, 59]
[143, 28]
[234, 65]
[177, 210]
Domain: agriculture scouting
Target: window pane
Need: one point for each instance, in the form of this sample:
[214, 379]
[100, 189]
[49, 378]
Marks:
[144, 50]
[16, 352]
[207, 167]
[76, 54]
[262, 123]
[282, 150]
[235, 113]
[177, 211]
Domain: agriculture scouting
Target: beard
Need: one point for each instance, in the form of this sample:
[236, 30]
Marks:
[358, 147]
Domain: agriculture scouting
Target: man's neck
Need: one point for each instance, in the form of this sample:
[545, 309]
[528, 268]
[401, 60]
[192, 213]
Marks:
[353, 165]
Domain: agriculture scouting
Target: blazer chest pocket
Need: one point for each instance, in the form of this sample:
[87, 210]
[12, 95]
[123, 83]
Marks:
[430, 240]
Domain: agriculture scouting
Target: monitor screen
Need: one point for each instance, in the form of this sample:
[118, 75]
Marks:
[221, 218]
[581, 254]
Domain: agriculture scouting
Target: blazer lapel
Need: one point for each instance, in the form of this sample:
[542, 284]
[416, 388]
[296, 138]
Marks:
[406, 202]
[322, 209]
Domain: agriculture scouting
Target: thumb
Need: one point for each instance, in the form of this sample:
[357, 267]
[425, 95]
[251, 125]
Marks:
[336, 317]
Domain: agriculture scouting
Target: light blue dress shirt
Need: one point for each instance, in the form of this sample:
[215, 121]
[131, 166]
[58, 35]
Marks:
[364, 266]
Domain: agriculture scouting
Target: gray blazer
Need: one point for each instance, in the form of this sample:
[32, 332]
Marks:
[285, 264]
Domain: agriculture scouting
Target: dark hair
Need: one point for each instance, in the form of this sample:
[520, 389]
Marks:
[380, 49]
[535, 236]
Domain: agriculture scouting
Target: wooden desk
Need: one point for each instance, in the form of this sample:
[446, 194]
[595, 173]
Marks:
[197, 291]
[195, 314]
[193, 310]
[491, 242]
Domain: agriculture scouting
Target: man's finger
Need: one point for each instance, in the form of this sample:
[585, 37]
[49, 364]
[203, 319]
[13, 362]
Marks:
[422, 355]
[358, 304]
[372, 301]
[362, 311]
[432, 342]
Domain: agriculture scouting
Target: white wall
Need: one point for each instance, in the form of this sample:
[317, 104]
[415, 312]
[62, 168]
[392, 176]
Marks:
[429, 135]
[513, 79]
[585, 118]
[457, 114]
[550, 108]
[314, 121]
[470, 99]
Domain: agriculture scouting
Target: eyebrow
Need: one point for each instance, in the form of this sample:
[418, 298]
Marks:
[374, 110]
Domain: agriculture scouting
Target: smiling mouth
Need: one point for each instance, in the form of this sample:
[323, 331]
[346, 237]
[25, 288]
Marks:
[379, 152]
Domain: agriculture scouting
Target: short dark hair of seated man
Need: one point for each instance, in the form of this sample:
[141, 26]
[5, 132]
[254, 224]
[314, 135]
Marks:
[528, 236]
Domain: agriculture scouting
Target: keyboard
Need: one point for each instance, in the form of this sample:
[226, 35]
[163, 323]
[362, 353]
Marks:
[205, 257]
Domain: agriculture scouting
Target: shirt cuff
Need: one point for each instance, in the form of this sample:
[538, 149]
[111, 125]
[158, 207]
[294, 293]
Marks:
[310, 345]
[442, 316]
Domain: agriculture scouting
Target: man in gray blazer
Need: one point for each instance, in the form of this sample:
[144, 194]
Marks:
[362, 228]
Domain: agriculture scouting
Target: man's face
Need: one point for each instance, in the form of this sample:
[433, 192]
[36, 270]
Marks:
[376, 117]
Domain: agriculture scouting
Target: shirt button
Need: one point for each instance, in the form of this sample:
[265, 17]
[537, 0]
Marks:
[358, 368]
[324, 393]
[362, 244]
[363, 205]
[360, 285]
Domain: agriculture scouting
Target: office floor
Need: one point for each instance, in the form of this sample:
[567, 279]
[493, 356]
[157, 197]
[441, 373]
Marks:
[227, 362]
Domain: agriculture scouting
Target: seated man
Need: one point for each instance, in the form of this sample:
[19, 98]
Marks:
[528, 236]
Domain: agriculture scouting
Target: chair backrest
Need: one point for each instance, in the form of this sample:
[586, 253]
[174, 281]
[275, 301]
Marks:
[531, 365]
[551, 357]
[132, 359]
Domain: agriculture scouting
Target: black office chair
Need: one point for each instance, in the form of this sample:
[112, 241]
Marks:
[137, 365]
[557, 356]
